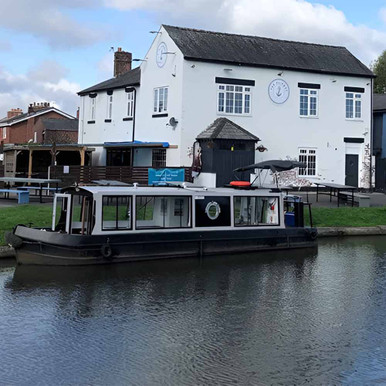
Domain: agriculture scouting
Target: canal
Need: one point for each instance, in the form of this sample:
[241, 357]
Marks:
[315, 316]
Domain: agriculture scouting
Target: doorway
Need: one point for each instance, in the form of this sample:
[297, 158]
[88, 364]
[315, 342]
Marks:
[352, 166]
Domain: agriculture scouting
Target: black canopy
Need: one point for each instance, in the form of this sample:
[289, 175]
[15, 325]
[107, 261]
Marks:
[274, 165]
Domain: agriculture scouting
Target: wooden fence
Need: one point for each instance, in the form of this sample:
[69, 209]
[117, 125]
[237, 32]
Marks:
[87, 174]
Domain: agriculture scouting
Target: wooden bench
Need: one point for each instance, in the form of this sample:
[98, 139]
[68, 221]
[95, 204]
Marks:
[37, 189]
[22, 195]
[361, 200]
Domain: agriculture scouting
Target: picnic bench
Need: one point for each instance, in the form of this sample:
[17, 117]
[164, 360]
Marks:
[22, 195]
[40, 182]
[335, 190]
[358, 199]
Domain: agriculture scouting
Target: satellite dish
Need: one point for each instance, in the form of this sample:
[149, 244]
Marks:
[173, 122]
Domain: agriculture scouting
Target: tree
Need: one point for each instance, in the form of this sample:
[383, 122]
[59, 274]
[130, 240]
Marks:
[379, 69]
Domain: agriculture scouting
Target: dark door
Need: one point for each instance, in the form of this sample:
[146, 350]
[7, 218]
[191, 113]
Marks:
[225, 161]
[351, 170]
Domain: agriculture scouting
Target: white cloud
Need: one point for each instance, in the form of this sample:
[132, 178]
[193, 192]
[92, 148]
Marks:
[49, 21]
[283, 19]
[21, 90]
[106, 67]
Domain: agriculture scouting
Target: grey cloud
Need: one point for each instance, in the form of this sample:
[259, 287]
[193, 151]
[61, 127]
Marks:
[48, 20]
[20, 91]
[47, 71]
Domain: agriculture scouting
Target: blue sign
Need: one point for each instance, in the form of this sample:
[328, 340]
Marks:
[163, 176]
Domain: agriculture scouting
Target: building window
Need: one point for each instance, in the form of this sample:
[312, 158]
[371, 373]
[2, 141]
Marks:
[109, 106]
[4, 132]
[130, 104]
[158, 158]
[308, 102]
[307, 156]
[353, 105]
[161, 100]
[116, 213]
[234, 99]
[92, 109]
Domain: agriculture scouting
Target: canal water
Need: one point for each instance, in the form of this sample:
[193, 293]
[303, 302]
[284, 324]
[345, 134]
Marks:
[299, 317]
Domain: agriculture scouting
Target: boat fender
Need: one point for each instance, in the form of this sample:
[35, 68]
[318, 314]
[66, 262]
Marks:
[107, 251]
[13, 240]
[313, 234]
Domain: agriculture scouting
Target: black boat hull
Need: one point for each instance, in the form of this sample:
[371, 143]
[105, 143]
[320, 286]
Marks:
[39, 247]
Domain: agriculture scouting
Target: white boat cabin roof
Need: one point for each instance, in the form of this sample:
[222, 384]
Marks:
[189, 190]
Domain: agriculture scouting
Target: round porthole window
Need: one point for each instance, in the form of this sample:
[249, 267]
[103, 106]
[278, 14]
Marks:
[213, 210]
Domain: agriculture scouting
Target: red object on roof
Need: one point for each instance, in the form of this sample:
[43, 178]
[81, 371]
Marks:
[240, 183]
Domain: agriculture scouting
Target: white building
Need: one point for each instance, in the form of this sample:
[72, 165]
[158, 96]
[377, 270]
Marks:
[304, 101]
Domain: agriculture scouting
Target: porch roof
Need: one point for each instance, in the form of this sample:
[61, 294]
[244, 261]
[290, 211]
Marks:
[136, 144]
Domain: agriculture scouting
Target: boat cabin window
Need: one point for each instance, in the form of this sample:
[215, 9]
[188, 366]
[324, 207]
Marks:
[81, 214]
[116, 213]
[162, 212]
[213, 211]
[253, 211]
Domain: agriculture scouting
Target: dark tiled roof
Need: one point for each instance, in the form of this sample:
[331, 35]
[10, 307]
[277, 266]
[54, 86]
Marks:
[131, 78]
[379, 102]
[264, 52]
[20, 117]
[224, 128]
[60, 124]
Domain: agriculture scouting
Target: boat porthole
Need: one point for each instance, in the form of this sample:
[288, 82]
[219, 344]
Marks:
[213, 210]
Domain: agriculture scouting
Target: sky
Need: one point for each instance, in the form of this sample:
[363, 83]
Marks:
[50, 50]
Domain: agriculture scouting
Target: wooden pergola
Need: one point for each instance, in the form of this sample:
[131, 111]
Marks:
[11, 153]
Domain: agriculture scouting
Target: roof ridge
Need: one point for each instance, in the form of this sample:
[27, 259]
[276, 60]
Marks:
[253, 36]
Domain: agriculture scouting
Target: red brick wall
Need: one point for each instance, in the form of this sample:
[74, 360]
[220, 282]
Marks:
[22, 132]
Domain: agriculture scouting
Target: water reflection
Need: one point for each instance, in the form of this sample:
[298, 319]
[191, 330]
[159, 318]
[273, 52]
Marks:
[287, 317]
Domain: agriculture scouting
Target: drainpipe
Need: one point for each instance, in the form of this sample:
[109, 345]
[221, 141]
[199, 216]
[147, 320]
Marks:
[135, 111]
[371, 136]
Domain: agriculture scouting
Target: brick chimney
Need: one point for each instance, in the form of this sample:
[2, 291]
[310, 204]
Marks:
[122, 62]
[14, 113]
[33, 108]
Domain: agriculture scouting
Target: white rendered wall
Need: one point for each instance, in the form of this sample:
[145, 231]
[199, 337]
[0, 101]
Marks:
[152, 76]
[99, 132]
[279, 126]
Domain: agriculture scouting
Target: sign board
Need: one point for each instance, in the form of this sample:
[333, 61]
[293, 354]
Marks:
[162, 176]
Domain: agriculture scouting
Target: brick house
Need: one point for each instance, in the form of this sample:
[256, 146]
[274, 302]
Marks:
[21, 128]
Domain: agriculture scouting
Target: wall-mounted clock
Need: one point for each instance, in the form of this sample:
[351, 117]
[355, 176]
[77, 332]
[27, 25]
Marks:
[278, 91]
[161, 54]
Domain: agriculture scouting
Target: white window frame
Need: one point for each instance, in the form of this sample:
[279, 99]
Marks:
[4, 132]
[311, 93]
[130, 104]
[160, 100]
[226, 99]
[309, 157]
[92, 109]
[356, 99]
[109, 111]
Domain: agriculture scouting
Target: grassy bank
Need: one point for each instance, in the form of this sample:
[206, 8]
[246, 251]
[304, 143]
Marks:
[40, 216]
[348, 217]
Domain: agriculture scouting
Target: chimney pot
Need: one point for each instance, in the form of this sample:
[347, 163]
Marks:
[14, 113]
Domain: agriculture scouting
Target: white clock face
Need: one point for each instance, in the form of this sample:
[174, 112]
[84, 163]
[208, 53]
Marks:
[278, 91]
[161, 54]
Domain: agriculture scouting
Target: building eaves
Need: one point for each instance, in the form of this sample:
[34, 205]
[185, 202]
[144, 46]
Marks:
[255, 51]
[130, 78]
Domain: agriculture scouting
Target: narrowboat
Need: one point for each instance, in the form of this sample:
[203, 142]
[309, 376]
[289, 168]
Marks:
[113, 224]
